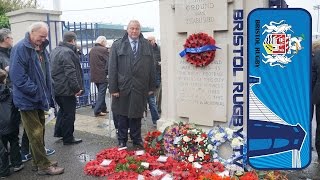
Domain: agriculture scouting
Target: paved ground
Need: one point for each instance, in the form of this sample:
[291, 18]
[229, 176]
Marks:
[97, 135]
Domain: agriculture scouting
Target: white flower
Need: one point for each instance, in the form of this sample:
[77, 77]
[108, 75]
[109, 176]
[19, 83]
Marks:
[199, 139]
[186, 139]
[215, 155]
[229, 132]
[191, 158]
[210, 147]
[200, 154]
[219, 137]
[236, 142]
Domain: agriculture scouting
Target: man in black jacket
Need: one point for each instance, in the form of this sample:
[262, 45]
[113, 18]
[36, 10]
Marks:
[67, 83]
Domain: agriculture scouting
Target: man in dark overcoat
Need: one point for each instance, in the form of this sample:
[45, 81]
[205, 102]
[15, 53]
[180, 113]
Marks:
[131, 80]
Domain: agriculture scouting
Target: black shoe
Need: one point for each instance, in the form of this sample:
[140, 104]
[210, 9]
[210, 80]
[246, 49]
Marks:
[121, 145]
[73, 141]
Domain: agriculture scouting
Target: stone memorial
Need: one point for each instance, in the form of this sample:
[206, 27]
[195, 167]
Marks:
[211, 94]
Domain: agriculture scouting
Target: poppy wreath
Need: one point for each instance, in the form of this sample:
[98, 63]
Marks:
[199, 49]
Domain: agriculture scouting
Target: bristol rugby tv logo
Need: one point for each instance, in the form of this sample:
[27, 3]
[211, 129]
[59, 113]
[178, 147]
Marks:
[280, 46]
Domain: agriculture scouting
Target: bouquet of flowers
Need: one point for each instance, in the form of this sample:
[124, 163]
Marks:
[153, 143]
[172, 136]
[194, 145]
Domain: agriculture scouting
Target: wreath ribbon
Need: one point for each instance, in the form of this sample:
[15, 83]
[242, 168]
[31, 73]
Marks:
[198, 50]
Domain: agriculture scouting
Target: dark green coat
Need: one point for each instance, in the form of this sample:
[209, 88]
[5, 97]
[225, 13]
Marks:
[133, 79]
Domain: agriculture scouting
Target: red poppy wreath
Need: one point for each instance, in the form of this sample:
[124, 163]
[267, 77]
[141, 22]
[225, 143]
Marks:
[199, 49]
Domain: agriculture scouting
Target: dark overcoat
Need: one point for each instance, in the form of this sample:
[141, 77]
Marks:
[316, 77]
[98, 57]
[132, 78]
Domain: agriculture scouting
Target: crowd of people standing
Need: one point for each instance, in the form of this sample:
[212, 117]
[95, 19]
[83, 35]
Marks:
[32, 81]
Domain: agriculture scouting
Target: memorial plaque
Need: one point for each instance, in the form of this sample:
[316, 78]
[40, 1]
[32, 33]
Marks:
[201, 14]
[202, 91]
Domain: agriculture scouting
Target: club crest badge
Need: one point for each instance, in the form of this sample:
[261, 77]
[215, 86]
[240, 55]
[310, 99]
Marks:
[280, 43]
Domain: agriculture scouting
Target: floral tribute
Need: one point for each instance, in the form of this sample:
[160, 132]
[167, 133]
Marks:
[94, 167]
[194, 146]
[191, 155]
[199, 49]
[153, 143]
[220, 135]
[185, 142]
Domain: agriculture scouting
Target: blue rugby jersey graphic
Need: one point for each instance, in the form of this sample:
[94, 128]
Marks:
[268, 133]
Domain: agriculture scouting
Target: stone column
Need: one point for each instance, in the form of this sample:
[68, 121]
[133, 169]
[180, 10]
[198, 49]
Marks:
[21, 19]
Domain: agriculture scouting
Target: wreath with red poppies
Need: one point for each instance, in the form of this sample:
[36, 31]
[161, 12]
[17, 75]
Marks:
[199, 49]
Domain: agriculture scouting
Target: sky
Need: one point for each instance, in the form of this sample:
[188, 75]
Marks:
[146, 13]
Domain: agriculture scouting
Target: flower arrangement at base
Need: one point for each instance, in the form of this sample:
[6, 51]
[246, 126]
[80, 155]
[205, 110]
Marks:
[94, 168]
[171, 137]
[213, 176]
[249, 176]
[130, 164]
[112, 154]
[200, 49]
[274, 175]
[184, 170]
[124, 175]
[219, 135]
[153, 144]
[194, 146]
[185, 142]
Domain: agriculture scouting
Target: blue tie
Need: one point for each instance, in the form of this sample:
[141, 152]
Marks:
[134, 48]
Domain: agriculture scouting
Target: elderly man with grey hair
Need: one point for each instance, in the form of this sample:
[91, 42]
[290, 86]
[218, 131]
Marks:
[6, 42]
[98, 57]
[31, 82]
[67, 83]
[132, 80]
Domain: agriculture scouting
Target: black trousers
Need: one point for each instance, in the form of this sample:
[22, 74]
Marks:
[124, 124]
[13, 140]
[4, 161]
[66, 116]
